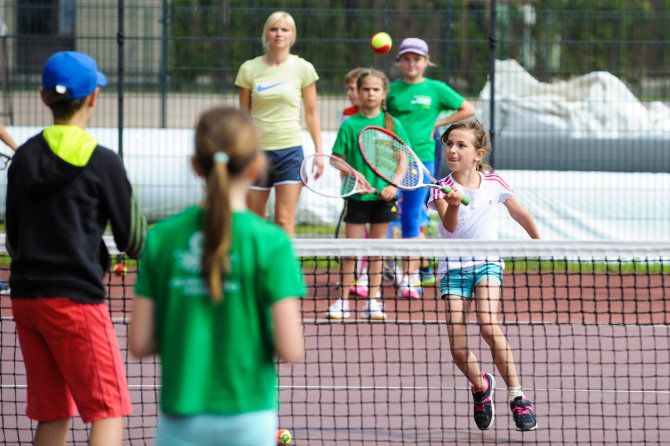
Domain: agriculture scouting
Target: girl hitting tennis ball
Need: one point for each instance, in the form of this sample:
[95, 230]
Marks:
[467, 143]
[417, 102]
[202, 307]
[366, 209]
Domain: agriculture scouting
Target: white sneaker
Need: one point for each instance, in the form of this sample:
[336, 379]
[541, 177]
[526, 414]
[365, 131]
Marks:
[373, 310]
[362, 278]
[392, 272]
[410, 288]
[338, 310]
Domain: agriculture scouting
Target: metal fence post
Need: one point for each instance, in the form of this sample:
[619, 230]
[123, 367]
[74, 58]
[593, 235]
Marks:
[492, 78]
[120, 81]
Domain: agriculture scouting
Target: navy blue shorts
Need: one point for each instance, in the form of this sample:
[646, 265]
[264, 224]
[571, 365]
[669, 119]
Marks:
[283, 167]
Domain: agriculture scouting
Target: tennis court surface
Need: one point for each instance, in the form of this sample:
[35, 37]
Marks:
[588, 324]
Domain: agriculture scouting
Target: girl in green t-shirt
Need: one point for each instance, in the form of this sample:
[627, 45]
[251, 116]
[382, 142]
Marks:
[366, 209]
[217, 299]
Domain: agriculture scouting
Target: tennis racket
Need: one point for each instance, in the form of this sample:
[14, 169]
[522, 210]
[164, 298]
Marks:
[337, 180]
[395, 162]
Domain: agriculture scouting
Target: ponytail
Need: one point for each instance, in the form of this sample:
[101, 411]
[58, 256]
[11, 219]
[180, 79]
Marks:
[217, 228]
[483, 167]
[225, 144]
[389, 124]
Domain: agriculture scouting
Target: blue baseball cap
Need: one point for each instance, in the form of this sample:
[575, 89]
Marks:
[73, 74]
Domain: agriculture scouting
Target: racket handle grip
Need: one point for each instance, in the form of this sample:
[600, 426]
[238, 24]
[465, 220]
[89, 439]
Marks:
[447, 189]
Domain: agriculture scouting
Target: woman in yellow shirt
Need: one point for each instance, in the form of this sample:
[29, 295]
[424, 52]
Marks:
[271, 89]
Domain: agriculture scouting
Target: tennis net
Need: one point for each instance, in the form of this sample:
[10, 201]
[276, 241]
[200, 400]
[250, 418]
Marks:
[588, 324]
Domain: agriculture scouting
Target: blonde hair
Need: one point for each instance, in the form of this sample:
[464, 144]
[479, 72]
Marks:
[274, 18]
[352, 76]
[226, 141]
[389, 124]
[482, 140]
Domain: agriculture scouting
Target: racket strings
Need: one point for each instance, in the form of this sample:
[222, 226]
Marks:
[336, 177]
[391, 159]
[348, 181]
[413, 174]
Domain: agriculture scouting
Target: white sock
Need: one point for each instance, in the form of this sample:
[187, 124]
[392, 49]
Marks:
[513, 392]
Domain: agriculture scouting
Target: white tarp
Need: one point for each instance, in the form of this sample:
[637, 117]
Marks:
[595, 105]
[565, 205]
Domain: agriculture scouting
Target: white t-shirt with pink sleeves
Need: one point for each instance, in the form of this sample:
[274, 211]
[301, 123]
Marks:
[475, 221]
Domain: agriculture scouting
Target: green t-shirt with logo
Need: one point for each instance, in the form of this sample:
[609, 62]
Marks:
[217, 358]
[346, 145]
[418, 106]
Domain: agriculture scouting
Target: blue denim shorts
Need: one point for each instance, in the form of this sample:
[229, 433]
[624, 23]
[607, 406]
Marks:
[463, 282]
[283, 167]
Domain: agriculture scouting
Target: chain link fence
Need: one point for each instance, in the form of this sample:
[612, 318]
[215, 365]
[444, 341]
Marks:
[580, 88]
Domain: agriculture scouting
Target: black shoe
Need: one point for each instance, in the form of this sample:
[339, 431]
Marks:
[484, 408]
[522, 410]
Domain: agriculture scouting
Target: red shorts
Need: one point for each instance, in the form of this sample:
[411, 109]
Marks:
[72, 360]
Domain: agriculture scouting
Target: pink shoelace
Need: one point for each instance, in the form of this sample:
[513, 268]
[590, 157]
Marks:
[479, 405]
[525, 410]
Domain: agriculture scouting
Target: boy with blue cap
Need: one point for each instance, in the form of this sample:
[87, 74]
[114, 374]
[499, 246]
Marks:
[62, 191]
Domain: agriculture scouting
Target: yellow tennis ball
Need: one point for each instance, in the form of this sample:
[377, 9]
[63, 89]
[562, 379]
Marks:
[414, 171]
[381, 43]
[284, 437]
[120, 269]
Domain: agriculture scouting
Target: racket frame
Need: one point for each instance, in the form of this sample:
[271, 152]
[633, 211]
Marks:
[4, 161]
[330, 159]
[423, 172]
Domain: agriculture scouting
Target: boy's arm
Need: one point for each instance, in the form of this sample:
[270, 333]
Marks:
[129, 226]
[521, 216]
[13, 204]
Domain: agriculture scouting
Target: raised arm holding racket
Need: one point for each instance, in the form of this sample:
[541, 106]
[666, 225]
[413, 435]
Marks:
[395, 162]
